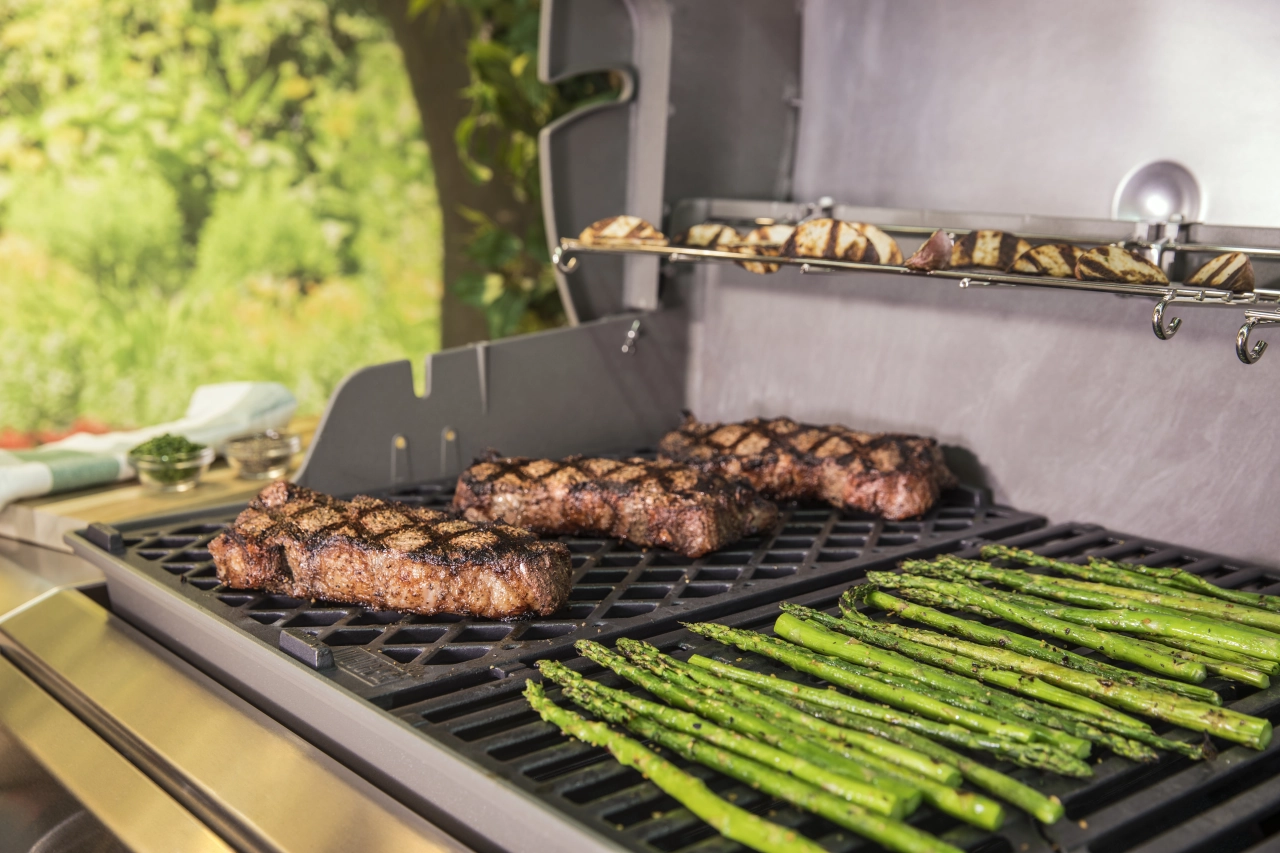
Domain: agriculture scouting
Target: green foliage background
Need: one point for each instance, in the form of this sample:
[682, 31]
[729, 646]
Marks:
[193, 192]
[514, 282]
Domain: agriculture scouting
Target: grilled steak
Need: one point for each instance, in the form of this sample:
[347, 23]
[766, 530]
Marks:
[1054, 260]
[648, 503]
[1112, 263]
[1231, 271]
[896, 476]
[389, 556]
[989, 249]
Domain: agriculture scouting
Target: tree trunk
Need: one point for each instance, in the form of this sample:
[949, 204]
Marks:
[434, 44]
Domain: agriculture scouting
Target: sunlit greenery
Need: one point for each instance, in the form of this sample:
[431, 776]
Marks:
[193, 192]
[514, 282]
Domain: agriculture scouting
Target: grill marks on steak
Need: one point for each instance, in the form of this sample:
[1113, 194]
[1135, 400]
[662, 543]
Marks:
[891, 475]
[649, 503]
[389, 556]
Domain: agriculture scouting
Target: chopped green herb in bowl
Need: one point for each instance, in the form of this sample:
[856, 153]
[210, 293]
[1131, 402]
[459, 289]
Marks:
[170, 463]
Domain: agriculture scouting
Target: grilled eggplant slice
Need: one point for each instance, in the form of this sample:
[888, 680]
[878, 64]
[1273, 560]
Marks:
[1112, 263]
[994, 250]
[764, 241]
[934, 254]
[886, 248]
[708, 235]
[1232, 271]
[622, 231]
[1053, 260]
[835, 240]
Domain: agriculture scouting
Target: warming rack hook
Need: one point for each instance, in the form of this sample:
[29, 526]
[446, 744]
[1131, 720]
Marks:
[1247, 354]
[1162, 331]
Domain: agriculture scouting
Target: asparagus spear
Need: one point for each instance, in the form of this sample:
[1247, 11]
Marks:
[732, 717]
[692, 793]
[896, 645]
[1067, 730]
[881, 718]
[847, 711]
[1232, 671]
[1117, 648]
[1131, 741]
[1197, 716]
[1168, 577]
[800, 659]
[783, 715]
[1203, 653]
[988, 636]
[964, 805]
[579, 689]
[890, 833]
[951, 677]
[893, 724]
[1266, 667]
[1166, 625]
[1103, 596]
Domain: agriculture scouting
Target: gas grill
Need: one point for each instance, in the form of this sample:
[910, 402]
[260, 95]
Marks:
[1046, 394]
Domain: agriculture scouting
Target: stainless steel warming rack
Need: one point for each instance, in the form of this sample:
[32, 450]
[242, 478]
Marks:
[1164, 294]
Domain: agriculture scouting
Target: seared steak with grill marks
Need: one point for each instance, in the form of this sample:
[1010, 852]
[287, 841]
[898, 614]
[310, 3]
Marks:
[389, 556]
[896, 476]
[649, 503]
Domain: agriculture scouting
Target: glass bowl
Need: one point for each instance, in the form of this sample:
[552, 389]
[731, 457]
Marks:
[175, 472]
[264, 456]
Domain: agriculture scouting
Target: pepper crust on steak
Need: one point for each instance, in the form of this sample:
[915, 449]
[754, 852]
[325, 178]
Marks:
[891, 475]
[649, 503]
[389, 556]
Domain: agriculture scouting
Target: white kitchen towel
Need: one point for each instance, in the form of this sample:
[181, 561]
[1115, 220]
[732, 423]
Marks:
[215, 414]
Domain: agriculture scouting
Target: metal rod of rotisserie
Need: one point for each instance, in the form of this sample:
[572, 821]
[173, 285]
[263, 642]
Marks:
[1175, 292]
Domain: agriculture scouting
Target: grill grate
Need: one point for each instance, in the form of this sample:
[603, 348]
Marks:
[1227, 805]
[619, 589]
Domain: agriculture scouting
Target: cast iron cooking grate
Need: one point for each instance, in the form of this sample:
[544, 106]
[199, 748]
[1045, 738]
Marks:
[619, 589]
[1231, 804]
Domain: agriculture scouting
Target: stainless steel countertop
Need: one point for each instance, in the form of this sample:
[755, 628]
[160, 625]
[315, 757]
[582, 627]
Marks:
[163, 756]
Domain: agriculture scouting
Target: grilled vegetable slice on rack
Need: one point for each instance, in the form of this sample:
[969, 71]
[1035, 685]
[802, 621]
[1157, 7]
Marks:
[692, 793]
[621, 231]
[708, 235]
[933, 254]
[763, 241]
[834, 239]
[1231, 271]
[988, 249]
[885, 247]
[1112, 263]
[1055, 260]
